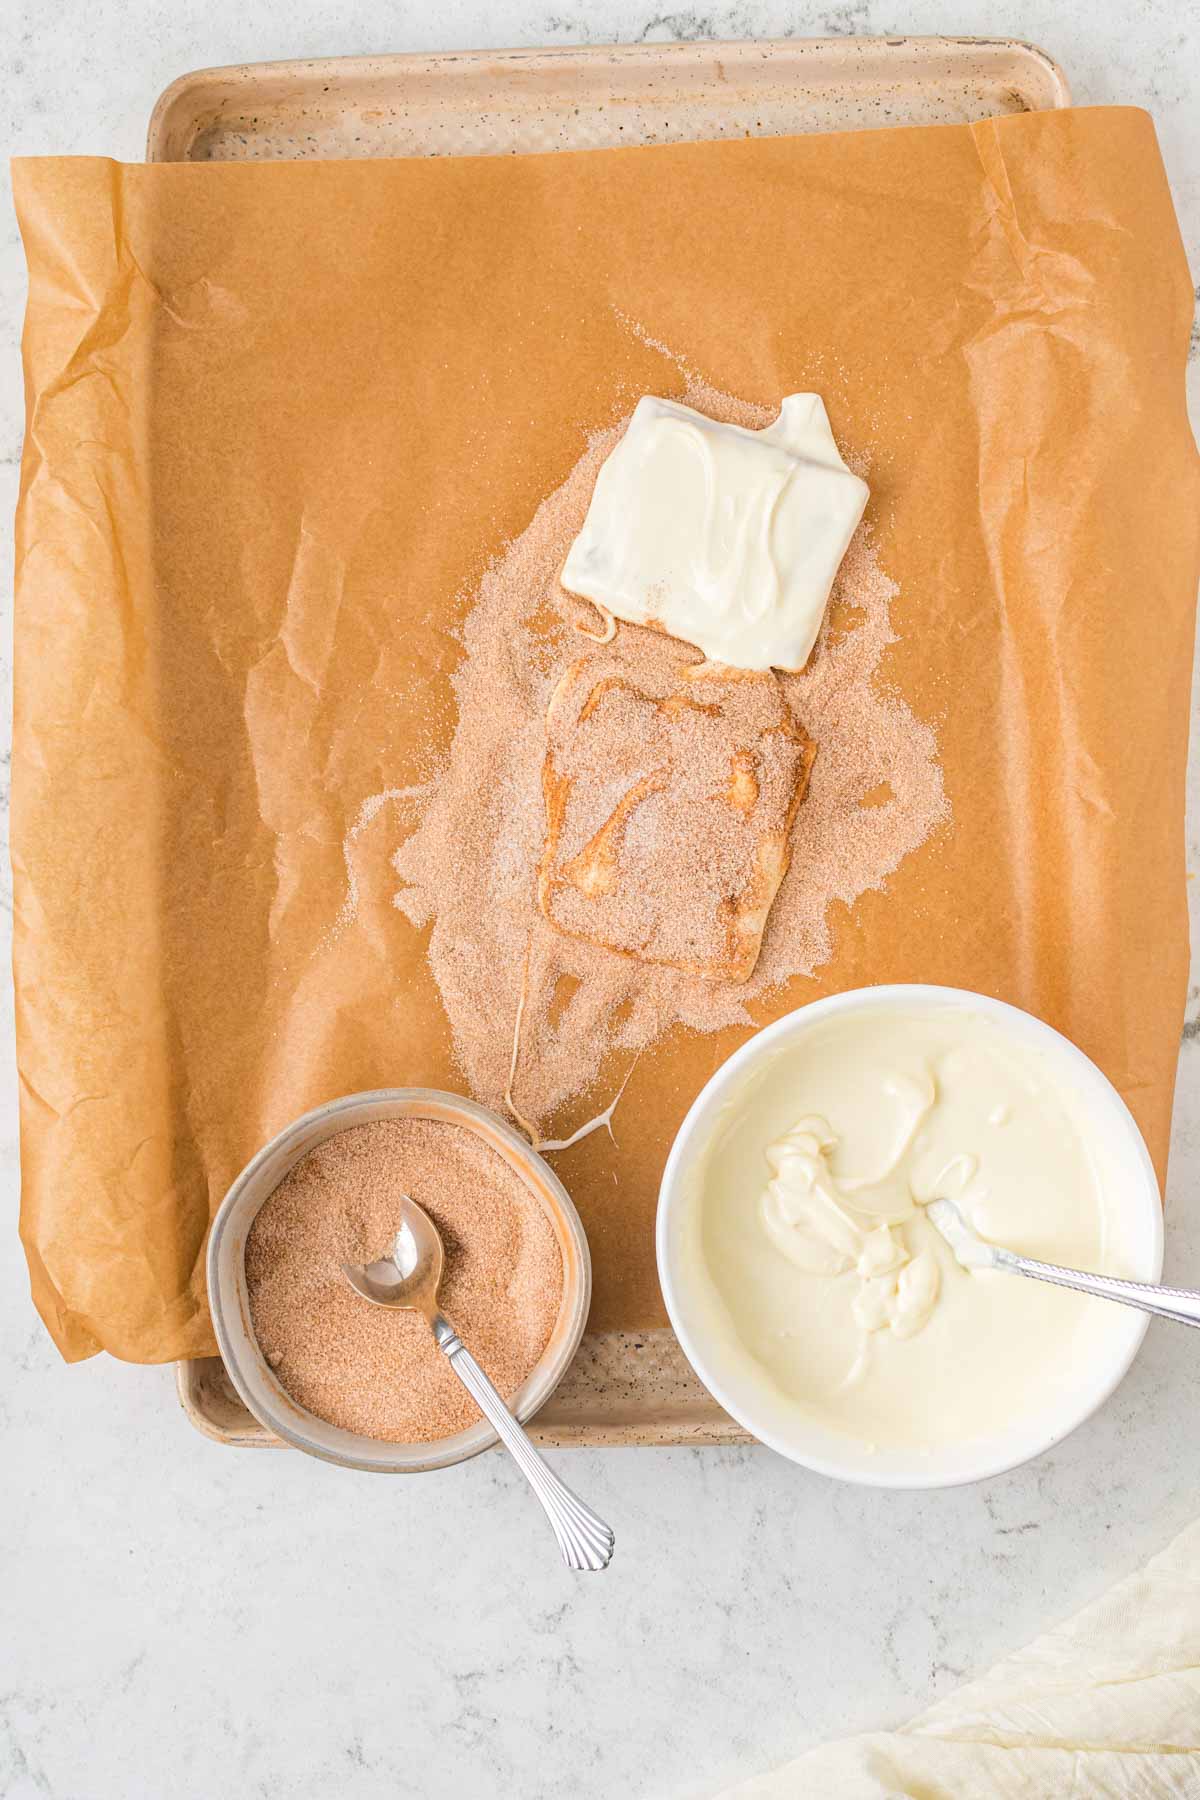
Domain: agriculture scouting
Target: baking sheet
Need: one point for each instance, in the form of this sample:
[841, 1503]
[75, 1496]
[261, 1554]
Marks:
[623, 1387]
[218, 702]
[491, 103]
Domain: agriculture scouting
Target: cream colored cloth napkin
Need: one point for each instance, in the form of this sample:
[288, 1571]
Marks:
[1105, 1707]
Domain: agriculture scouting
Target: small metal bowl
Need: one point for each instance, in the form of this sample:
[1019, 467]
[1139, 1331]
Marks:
[229, 1299]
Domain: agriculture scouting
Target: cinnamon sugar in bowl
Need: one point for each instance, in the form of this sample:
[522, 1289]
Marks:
[357, 1384]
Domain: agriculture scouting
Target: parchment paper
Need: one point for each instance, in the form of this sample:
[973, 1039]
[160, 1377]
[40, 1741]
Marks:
[281, 416]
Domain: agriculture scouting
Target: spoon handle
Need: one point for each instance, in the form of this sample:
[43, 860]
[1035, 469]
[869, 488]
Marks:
[585, 1540]
[1179, 1304]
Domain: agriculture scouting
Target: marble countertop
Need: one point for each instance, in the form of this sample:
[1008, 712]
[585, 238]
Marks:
[191, 1621]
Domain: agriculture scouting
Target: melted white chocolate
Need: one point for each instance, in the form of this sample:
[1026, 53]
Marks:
[727, 538]
[829, 1227]
[813, 1227]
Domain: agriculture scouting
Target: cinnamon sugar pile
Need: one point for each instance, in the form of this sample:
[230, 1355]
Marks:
[470, 868]
[367, 1368]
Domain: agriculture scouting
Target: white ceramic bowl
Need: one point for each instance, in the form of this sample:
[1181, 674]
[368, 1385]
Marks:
[732, 1380]
[248, 1369]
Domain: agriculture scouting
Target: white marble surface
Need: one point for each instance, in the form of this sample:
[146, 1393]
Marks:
[184, 1622]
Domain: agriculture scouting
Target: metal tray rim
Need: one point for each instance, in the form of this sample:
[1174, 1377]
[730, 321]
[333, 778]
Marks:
[839, 53]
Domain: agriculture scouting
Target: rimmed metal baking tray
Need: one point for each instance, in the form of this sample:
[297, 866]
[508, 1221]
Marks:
[623, 1387]
[501, 102]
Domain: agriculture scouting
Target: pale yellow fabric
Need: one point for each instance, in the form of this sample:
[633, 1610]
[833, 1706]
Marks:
[1105, 1707]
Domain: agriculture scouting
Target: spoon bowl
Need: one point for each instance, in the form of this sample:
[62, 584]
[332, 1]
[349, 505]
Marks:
[410, 1277]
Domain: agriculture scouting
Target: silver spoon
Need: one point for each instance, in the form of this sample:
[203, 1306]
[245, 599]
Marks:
[409, 1279]
[974, 1252]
